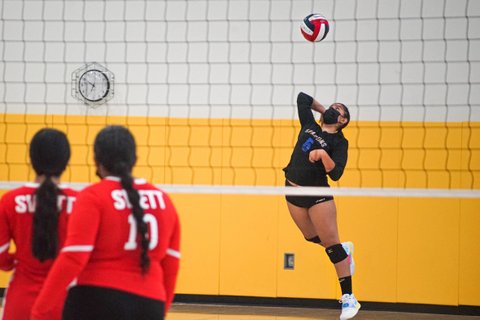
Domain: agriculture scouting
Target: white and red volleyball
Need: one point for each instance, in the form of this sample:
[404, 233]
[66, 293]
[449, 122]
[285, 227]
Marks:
[314, 27]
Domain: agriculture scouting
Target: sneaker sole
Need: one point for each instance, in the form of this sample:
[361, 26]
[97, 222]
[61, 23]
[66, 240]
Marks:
[352, 315]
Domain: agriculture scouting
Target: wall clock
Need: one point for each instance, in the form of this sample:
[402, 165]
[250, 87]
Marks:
[93, 84]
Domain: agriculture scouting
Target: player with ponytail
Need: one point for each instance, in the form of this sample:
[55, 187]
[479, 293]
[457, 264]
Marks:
[122, 246]
[321, 151]
[126, 181]
[45, 221]
[35, 217]
[118, 160]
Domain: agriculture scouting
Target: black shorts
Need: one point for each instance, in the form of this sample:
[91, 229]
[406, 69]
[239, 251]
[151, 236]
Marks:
[99, 303]
[305, 201]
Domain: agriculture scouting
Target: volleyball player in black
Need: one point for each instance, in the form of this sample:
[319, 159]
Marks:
[322, 150]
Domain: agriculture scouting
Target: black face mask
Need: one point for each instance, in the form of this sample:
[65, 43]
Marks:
[330, 116]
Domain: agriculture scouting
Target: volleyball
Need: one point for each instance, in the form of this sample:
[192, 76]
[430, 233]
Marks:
[314, 27]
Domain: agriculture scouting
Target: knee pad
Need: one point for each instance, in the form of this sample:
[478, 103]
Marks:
[336, 253]
[314, 239]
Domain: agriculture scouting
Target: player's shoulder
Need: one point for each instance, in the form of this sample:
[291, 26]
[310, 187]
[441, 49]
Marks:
[94, 187]
[67, 190]
[95, 190]
[151, 192]
[27, 188]
[312, 126]
[341, 137]
[143, 184]
[108, 184]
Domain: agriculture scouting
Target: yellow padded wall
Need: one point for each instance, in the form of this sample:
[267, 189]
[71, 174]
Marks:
[248, 245]
[200, 218]
[428, 251]
[372, 224]
[469, 255]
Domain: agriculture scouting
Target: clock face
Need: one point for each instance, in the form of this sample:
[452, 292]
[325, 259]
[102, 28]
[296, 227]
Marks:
[94, 85]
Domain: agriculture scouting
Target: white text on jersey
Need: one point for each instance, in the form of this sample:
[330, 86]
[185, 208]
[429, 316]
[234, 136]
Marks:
[149, 199]
[26, 203]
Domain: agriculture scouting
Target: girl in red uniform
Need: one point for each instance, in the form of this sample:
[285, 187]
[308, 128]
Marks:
[35, 217]
[121, 256]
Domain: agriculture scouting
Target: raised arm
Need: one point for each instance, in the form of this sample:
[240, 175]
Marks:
[317, 106]
[305, 105]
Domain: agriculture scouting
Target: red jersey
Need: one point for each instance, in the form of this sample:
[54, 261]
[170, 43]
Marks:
[101, 247]
[16, 219]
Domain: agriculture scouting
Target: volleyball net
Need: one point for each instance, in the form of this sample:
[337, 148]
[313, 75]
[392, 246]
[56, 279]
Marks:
[209, 88]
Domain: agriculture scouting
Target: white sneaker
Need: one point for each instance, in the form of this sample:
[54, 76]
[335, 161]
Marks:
[348, 247]
[350, 306]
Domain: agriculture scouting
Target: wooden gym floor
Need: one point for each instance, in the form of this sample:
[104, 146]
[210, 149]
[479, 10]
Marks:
[186, 311]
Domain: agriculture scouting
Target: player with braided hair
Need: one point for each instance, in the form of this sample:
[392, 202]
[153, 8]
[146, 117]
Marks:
[118, 160]
[122, 247]
[35, 217]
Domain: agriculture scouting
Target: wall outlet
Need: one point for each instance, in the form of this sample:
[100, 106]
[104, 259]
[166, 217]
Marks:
[289, 261]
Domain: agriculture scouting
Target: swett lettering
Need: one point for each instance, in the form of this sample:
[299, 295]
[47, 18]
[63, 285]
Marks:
[66, 202]
[20, 204]
[149, 199]
[120, 199]
[26, 203]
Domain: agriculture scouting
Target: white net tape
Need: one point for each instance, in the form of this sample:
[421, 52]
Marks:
[301, 191]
